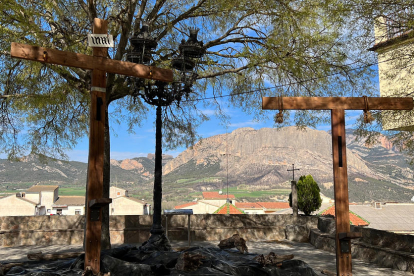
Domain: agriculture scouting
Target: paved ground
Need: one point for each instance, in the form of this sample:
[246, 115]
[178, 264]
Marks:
[319, 260]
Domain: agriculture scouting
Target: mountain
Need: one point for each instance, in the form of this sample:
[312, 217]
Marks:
[259, 159]
[32, 169]
[247, 159]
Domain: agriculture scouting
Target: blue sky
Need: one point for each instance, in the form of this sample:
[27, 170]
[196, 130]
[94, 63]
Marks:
[126, 145]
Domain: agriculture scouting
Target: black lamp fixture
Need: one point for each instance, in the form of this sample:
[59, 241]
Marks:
[143, 46]
[186, 63]
[161, 94]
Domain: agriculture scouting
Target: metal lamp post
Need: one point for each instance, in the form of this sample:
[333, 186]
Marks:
[162, 94]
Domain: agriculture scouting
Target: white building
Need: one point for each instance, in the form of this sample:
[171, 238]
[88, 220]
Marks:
[17, 206]
[69, 205]
[124, 205]
[209, 204]
[115, 192]
[394, 41]
[45, 200]
[43, 195]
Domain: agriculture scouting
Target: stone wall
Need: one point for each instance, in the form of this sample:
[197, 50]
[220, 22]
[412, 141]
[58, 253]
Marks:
[376, 246]
[47, 230]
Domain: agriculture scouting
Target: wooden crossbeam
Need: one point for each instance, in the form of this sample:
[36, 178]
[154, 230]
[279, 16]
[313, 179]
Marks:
[329, 103]
[83, 61]
[100, 65]
[338, 105]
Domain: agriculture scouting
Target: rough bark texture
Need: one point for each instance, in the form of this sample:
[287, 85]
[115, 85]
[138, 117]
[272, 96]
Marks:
[86, 208]
[105, 234]
[4, 268]
[39, 256]
[272, 259]
[189, 262]
[234, 241]
[157, 242]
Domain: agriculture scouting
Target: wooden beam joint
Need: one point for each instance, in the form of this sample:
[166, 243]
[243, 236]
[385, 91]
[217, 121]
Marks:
[53, 56]
[99, 202]
[349, 235]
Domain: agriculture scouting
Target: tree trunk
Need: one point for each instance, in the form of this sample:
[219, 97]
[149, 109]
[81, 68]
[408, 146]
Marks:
[105, 233]
[156, 222]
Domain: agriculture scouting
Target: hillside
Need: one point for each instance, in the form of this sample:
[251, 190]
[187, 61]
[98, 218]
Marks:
[250, 160]
[31, 169]
[259, 159]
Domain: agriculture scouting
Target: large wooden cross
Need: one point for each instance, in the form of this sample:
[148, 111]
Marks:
[338, 105]
[100, 65]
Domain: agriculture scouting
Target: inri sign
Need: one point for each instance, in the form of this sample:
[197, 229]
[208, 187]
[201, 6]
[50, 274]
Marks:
[100, 40]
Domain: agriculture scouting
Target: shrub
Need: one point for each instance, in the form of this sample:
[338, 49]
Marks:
[309, 198]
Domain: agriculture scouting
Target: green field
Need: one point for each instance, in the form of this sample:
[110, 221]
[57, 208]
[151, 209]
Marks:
[242, 193]
[72, 191]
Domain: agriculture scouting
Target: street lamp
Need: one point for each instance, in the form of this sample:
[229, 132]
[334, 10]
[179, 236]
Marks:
[161, 94]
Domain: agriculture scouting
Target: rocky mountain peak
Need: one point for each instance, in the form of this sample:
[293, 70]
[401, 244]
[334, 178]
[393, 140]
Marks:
[271, 150]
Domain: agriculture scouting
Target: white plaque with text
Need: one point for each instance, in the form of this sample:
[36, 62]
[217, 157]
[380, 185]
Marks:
[100, 40]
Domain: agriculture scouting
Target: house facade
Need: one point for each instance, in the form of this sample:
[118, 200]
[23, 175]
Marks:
[200, 207]
[123, 205]
[17, 206]
[217, 198]
[250, 207]
[115, 192]
[45, 200]
[213, 200]
[393, 42]
[69, 205]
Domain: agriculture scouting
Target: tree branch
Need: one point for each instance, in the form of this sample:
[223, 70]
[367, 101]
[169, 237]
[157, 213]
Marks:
[180, 18]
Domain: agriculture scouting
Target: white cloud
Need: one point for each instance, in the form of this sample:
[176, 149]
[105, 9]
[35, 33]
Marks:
[121, 155]
[245, 124]
[208, 112]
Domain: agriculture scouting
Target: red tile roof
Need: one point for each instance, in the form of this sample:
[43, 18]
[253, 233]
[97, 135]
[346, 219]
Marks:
[354, 218]
[228, 208]
[216, 195]
[185, 205]
[248, 205]
[274, 205]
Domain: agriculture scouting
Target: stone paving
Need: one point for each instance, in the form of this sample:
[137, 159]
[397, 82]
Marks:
[319, 260]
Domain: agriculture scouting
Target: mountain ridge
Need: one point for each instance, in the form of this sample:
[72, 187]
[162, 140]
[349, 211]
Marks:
[249, 158]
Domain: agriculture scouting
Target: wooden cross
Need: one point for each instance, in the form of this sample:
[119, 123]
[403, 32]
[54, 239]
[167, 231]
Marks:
[338, 105]
[100, 65]
[293, 171]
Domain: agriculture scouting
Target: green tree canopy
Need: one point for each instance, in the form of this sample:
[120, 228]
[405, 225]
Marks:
[309, 198]
[296, 47]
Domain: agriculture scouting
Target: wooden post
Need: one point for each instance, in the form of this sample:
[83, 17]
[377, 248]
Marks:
[96, 156]
[343, 247]
[100, 65]
[338, 105]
